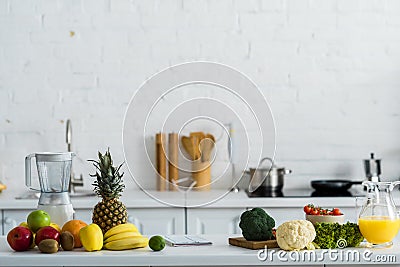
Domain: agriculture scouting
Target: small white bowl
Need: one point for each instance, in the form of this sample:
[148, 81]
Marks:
[325, 218]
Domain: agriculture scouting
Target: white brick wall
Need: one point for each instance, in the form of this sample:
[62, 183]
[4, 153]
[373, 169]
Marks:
[330, 70]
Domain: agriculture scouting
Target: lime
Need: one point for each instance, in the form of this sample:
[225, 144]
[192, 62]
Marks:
[157, 243]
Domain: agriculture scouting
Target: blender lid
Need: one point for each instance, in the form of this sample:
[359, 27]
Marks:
[54, 156]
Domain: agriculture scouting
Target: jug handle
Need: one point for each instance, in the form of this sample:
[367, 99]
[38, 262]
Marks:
[28, 179]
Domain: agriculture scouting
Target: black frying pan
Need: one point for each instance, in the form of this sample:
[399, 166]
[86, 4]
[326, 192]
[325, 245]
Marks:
[333, 185]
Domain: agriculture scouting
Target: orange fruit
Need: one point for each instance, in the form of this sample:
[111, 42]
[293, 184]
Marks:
[74, 226]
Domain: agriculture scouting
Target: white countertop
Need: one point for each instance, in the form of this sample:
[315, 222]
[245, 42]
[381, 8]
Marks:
[220, 253]
[210, 199]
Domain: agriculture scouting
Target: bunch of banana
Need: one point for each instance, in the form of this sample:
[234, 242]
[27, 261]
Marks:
[124, 236]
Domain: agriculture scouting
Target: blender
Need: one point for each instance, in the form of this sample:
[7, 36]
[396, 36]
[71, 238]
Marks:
[54, 170]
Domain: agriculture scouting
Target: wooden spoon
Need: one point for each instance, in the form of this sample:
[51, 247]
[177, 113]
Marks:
[206, 146]
[188, 145]
[196, 146]
[211, 137]
[197, 137]
[200, 135]
[191, 145]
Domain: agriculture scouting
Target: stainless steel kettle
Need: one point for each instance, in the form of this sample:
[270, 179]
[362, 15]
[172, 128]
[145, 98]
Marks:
[372, 168]
[269, 179]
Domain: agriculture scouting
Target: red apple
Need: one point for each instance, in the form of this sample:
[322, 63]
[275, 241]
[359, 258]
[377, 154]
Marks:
[47, 232]
[20, 238]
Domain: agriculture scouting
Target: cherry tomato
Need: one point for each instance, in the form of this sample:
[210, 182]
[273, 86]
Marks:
[307, 209]
[318, 209]
[315, 212]
[336, 211]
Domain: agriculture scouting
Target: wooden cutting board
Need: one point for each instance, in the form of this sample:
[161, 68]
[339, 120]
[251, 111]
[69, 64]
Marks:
[242, 242]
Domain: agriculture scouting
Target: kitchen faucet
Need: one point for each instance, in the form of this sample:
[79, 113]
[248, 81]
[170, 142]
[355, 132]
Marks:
[73, 181]
[235, 188]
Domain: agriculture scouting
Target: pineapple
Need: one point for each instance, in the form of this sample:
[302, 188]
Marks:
[108, 185]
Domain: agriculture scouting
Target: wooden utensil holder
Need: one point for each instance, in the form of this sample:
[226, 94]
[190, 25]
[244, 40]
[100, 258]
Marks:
[201, 173]
[161, 164]
[173, 171]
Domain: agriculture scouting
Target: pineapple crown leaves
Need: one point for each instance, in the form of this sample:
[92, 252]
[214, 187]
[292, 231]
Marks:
[108, 183]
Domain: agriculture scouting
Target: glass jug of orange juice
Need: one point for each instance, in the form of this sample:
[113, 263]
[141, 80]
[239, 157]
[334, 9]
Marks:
[378, 220]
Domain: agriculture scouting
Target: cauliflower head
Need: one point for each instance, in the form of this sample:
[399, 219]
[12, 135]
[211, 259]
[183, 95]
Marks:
[295, 235]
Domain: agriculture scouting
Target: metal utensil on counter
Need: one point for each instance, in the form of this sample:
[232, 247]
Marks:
[372, 168]
[268, 179]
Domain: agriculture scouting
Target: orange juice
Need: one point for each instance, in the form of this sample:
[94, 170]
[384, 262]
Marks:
[378, 229]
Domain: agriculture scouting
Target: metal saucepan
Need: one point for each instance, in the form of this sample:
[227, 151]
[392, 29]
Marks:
[333, 185]
[269, 179]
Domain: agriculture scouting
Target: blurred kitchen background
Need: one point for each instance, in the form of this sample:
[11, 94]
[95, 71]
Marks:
[329, 70]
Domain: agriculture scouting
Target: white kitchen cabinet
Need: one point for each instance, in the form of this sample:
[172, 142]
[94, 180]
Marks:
[12, 218]
[214, 220]
[226, 220]
[149, 221]
[173, 220]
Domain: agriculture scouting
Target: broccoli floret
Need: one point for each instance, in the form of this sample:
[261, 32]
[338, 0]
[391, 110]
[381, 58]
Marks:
[325, 234]
[328, 234]
[256, 225]
[353, 234]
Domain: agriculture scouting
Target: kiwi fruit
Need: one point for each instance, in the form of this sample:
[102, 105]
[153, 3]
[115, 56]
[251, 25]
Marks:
[48, 246]
[67, 240]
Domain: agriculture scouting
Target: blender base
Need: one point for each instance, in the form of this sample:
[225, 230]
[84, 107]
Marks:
[59, 214]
